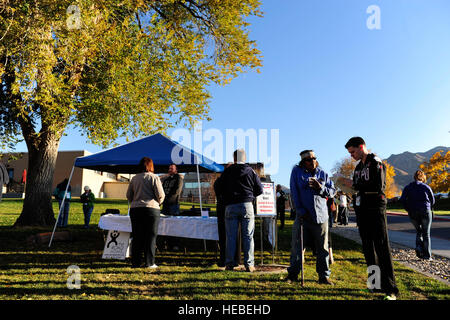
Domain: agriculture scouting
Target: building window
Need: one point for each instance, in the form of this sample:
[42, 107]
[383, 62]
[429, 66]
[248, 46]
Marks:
[111, 175]
[194, 185]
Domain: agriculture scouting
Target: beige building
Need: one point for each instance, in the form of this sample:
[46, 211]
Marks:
[102, 184]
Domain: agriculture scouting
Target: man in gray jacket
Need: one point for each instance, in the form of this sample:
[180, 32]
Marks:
[173, 185]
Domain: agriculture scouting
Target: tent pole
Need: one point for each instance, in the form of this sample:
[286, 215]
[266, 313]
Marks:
[200, 198]
[199, 190]
[62, 206]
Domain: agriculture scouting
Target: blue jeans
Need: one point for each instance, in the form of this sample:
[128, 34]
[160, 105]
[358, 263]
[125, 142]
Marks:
[235, 214]
[422, 222]
[64, 216]
[316, 235]
[87, 214]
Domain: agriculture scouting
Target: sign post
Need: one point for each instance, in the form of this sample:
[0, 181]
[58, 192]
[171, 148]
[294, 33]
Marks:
[266, 208]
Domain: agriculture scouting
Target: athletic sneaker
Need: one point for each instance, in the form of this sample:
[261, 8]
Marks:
[153, 266]
[390, 297]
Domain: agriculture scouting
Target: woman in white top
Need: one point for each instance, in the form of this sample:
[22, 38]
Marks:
[145, 194]
[343, 209]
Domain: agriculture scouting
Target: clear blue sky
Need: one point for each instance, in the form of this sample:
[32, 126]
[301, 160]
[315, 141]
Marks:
[326, 77]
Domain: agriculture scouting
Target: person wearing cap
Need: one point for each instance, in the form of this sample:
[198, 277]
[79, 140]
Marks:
[369, 180]
[310, 188]
[87, 199]
[240, 185]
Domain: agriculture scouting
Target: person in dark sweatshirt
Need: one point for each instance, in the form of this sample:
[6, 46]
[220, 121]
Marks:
[418, 200]
[173, 186]
[239, 185]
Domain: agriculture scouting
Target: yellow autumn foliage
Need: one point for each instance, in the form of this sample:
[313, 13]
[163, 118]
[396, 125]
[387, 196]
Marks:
[392, 190]
[345, 167]
[437, 172]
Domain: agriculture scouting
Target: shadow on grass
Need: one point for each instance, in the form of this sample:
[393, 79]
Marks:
[170, 292]
[61, 291]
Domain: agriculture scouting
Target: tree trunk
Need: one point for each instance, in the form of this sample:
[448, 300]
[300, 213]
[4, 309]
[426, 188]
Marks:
[37, 207]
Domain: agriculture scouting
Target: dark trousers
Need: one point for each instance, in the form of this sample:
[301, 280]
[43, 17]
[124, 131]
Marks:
[222, 233]
[375, 242]
[87, 211]
[144, 226]
[281, 214]
[343, 215]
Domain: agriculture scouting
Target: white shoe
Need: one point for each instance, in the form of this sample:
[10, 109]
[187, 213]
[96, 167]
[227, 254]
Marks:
[390, 297]
[154, 266]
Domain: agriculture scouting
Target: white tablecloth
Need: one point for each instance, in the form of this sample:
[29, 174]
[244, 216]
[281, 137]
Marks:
[176, 226]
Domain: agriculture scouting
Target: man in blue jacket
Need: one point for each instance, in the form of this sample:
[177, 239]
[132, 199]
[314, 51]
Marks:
[239, 185]
[310, 188]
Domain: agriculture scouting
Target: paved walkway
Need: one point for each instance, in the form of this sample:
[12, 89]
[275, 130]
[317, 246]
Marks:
[436, 217]
[439, 246]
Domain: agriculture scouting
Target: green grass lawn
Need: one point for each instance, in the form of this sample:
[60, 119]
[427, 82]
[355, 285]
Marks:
[39, 273]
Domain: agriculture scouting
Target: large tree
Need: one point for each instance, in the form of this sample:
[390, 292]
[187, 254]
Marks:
[345, 167]
[117, 68]
[437, 171]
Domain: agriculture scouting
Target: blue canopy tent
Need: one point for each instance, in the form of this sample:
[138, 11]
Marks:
[162, 150]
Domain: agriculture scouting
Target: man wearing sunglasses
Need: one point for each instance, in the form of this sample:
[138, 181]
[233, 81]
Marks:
[310, 188]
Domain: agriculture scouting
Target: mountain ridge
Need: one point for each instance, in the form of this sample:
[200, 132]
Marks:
[406, 163]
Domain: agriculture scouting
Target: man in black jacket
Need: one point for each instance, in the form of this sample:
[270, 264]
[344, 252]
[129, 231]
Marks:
[369, 180]
[239, 185]
[220, 210]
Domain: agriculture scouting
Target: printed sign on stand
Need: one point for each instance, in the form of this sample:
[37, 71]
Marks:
[265, 203]
[266, 210]
[116, 245]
